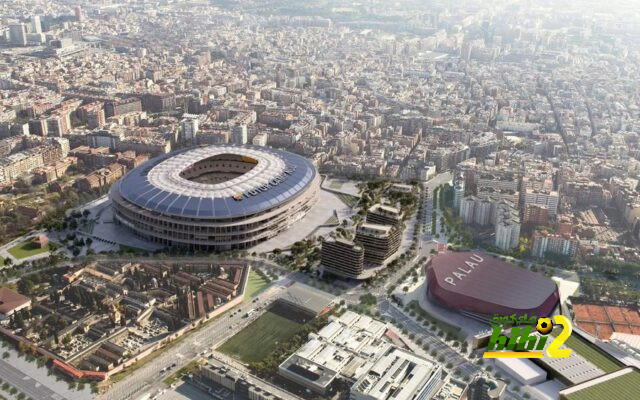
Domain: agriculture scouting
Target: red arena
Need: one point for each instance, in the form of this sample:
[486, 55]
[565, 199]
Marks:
[481, 285]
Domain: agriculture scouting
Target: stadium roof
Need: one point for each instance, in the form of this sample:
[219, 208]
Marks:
[157, 185]
[481, 283]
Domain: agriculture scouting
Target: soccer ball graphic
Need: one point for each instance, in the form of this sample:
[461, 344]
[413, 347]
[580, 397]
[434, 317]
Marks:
[544, 326]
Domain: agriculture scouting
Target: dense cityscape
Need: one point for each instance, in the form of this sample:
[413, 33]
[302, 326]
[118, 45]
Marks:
[324, 199]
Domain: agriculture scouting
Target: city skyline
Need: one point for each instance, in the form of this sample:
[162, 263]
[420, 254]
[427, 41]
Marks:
[265, 199]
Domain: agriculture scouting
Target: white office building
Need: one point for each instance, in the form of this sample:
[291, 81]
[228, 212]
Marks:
[548, 198]
[36, 27]
[458, 194]
[18, 34]
[189, 127]
[260, 139]
[239, 134]
[398, 375]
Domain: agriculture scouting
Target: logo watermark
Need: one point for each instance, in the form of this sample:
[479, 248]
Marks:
[524, 344]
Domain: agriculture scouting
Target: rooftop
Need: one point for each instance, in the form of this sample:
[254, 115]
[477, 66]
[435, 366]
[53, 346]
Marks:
[10, 300]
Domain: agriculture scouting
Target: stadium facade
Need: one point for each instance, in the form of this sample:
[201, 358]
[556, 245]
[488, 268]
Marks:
[480, 285]
[215, 198]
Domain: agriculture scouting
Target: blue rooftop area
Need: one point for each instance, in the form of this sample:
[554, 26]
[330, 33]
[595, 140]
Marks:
[136, 188]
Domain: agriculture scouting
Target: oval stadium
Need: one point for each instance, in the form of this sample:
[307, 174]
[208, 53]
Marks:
[215, 198]
[480, 285]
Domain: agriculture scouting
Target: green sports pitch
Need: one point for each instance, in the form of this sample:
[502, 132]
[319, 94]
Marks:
[255, 342]
[626, 386]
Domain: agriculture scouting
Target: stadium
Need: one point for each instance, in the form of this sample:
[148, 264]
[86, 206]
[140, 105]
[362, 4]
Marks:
[480, 285]
[215, 198]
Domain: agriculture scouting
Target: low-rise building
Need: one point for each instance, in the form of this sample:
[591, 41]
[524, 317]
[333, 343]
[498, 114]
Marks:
[12, 302]
[101, 178]
[400, 375]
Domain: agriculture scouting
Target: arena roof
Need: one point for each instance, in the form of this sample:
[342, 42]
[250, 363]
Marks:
[157, 185]
[483, 284]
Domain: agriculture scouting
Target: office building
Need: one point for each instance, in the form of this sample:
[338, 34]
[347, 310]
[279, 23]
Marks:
[36, 26]
[398, 375]
[458, 194]
[482, 212]
[343, 258]
[548, 198]
[189, 127]
[124, 106]
[18, 34]
[545, 242]
[467, 209]
[379, 242]
[536, 214]
[239, 134]
[353, 348]
[506, 226]
[260, 139]
[384, 215]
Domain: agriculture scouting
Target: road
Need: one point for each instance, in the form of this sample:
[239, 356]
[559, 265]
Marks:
[390, 311]
[148, 378]
[25, 384]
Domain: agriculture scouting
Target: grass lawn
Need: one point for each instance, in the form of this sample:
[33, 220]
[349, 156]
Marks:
[348, 199]
[1, 261]
[336, 184]
[187, 369]
[130, 249]
[626, 386]
[27, 249]
[589, 352]
[88, 227]
[256, 341]
[255, 285]
[333, 220]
